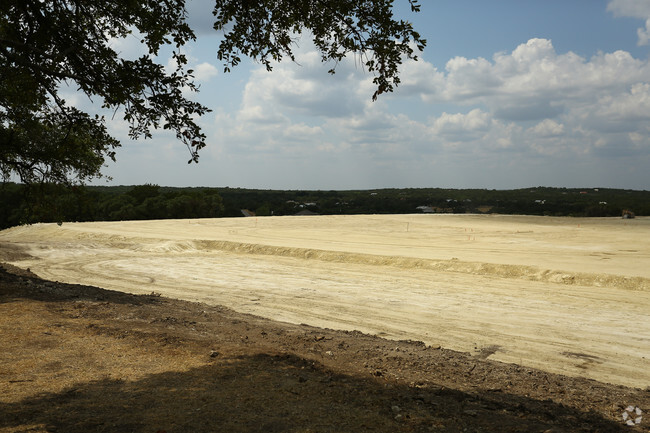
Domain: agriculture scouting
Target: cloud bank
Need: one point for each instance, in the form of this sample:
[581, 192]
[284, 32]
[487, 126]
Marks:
[532, 102]
[529, 115]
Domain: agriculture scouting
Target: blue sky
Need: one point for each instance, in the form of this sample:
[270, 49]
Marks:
[507, 94]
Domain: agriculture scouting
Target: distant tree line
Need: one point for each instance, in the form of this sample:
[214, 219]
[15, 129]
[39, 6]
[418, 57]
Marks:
[21, 204]
[592, 202]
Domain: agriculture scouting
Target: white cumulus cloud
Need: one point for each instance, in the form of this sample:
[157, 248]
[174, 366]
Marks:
[460, 126]
[205, 71]
[644, 33]
[534, 81]
[634, 9]
[532, 102]
[548, 128]
[630, 8]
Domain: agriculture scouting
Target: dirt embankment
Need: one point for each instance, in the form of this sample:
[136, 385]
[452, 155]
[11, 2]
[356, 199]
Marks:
[81, 359]
[564, 295]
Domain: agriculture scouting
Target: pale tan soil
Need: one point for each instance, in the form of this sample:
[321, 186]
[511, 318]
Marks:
[569, 296]
[79, 359]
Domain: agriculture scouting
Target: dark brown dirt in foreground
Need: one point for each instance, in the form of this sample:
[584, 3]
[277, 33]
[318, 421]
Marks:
[82, 359]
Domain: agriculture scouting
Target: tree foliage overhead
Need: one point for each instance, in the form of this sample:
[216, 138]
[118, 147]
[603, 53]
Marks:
[265, 30]
[46, 45]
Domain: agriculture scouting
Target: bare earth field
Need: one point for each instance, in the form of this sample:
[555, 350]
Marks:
[377, 323]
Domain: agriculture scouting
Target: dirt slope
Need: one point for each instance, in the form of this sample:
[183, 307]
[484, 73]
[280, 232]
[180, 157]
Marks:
[569, 296]
[81, 359]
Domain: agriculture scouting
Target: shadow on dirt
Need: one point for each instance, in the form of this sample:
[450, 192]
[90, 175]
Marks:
[37, 289]
[285, 393]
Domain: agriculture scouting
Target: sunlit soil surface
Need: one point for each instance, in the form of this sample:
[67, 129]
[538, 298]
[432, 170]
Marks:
[565, 295]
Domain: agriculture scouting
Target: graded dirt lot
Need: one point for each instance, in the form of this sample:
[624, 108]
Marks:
[505, 307]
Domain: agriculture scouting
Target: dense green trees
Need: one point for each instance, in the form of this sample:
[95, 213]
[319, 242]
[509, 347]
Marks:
[154, 202]
[47, 45]
[529, 201]
[105, 204]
